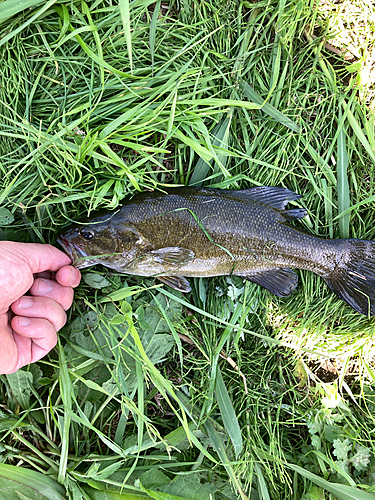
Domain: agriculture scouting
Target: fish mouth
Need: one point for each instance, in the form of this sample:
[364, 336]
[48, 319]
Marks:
[79, 257]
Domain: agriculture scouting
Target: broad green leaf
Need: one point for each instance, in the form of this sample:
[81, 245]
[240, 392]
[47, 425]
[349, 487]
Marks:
[168, 319]
[160, 487]
[6, 217]
[154, 477]
[159, 346]
[21, 386]
[11, 423]
[95, 280]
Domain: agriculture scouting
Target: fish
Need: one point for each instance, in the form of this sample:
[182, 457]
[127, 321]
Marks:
[184, 232]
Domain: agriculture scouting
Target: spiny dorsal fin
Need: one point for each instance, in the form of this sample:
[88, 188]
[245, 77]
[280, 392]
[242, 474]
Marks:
[281, 282]
[273, 196]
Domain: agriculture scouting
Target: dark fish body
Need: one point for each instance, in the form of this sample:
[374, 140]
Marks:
[186, 232]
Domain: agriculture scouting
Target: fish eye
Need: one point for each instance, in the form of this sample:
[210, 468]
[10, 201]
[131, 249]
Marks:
[87, 234]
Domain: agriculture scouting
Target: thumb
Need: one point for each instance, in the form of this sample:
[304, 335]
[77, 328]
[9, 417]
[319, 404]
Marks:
[40, 257]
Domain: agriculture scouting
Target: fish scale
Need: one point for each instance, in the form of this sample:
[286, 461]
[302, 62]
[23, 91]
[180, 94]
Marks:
[256, 236]
[187, 232]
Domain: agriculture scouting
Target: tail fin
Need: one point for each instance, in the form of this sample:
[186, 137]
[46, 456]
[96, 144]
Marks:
[353, 279]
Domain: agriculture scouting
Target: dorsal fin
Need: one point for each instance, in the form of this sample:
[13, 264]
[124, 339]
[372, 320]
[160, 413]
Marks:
[294, 213]
[273, 196]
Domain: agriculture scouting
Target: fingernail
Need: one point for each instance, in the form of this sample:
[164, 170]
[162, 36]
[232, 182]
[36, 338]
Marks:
[44, 286]
[25, 302]
[23, 321]
[73, 277]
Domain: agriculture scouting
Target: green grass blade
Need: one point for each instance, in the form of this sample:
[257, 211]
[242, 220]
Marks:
[226, 323]
[228, 414]
[276, 59]
[263, 490]
[327, 196]
[267, 108]
[203, 167]
[219, 447]
[125, 18]
[340, 491]
[86, 10]
[202, 151]
[66, 395]
[358, 131]
[154, 20]
[10, 8]
[113, 495]
[343, 195]
[42, 484]
[366, 201]
[173, 331]
[32, 19]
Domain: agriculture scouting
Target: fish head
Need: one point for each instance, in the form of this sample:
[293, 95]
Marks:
[105, 242]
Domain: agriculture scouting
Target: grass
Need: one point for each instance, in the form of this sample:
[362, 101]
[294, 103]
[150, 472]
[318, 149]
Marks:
[229, 392]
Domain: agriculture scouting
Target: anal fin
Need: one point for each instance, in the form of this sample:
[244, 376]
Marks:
[177, 282]
[281, 282]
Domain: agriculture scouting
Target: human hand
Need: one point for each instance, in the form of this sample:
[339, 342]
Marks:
[28, 323]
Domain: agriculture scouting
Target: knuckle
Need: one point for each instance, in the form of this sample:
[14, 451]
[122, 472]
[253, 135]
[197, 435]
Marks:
[51, 339]
[68, 298]
[63, 321]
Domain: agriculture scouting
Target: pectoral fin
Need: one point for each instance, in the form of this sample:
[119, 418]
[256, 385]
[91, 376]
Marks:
[281, 282]
[177, 282]
[172, 255]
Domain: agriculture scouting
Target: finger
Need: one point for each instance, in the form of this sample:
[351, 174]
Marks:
[46, 274]
[39, 307]
[34, 339]
[63, 295]
[42, 257]
[68, 276]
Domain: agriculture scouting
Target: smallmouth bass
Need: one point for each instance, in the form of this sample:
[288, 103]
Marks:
[202, 232]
